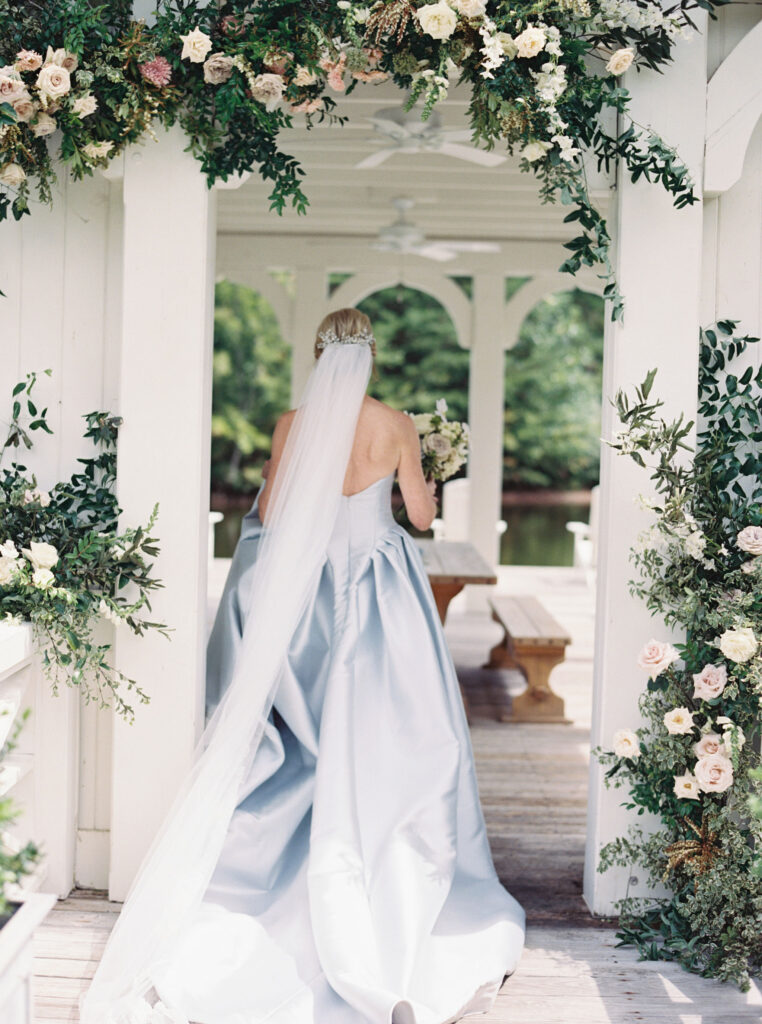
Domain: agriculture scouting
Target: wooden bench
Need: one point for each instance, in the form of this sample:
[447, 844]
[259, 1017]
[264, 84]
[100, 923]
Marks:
[534, 643]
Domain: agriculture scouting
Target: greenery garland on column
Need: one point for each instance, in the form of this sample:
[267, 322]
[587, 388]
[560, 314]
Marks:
[695, 760]
[545, 80]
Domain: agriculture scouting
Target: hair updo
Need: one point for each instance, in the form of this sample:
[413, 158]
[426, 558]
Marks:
[344, 322]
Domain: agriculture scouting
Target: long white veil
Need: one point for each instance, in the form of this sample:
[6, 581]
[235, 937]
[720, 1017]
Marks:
[176, 871]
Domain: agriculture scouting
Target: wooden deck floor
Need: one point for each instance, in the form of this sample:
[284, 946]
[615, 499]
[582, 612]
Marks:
[533, 784]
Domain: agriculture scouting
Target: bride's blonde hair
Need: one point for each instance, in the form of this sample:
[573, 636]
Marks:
[343, 322]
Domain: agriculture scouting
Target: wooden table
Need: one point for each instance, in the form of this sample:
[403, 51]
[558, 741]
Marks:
[450, 565]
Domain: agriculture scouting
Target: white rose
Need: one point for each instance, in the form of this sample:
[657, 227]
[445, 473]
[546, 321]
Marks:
[41, 555]
[37, 496]
[620, 60]
[530, 42]
[750, 539]
[470, 8]
[62, 57]
[507, 45]
[196, 45]
[686, 786]
[438, 445]
[657, 656]
[8, 549]
[710, 682]
[695, 544]
[534, 151]
[738, 644]
[8, 569]
[83, 106]
[710, 743]
[626, 743]
[268, 89]
[437, 20]
[679, 721]
[53, 81]
[97, 150]
[44, 125]
[714, 773]
[305, 76]
[12, 174]
[43, 578]
[422, 421]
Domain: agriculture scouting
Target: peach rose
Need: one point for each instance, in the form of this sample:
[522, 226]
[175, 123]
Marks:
[710, 682]
[710, 743]
[656, 657]
[714, 773]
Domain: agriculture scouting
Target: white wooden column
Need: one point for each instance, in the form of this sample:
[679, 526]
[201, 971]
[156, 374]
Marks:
[485, 413]
[309, 308]
[658, 267]
[165, 399]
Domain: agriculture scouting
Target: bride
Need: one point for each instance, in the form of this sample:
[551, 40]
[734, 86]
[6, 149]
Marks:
[326, 860]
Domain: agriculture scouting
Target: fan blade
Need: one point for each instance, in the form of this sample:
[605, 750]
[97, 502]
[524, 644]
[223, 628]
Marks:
[457, 134]
[458, 246]
[434, 252]
[375, 159]
[476, 156]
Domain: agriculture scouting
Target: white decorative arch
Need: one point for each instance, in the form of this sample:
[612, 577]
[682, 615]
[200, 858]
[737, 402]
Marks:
[452, 298]
[733, 108]
[266, 285]
[521, 304]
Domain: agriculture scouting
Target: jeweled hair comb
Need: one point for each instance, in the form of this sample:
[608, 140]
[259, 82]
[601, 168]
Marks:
[330, 337]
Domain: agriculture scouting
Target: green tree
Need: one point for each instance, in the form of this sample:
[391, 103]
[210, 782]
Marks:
[553, 382]
[251, 388]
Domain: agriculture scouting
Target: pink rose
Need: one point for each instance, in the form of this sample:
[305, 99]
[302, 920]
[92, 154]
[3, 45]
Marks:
[11, 89]
[307, 106]
[714, 773]
[710, 743]
[656, 657]
[710, 682]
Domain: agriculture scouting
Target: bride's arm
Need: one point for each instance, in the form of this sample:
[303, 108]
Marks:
[417, 493]
[280, 434]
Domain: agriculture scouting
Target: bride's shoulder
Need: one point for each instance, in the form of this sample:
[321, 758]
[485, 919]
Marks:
[393, 417]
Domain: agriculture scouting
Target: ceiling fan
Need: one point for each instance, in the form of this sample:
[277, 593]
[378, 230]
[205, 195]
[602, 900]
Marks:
[405, 132]
[404, 237]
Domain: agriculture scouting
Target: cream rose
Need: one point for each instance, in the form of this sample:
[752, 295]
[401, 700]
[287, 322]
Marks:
[97, 150]
[710, 682]
[710, 743]
[25, 107]
[422, 421]
[530, 42]
[626, 743]
[437, 20]
[196, 45]
[8, 549]
[62, 57]
[714, 773]
[305, 76]
[470, 8]
[534, 151]
[750, 539]
[656, 657]
[738, 644]
[507, 45]
[620, 60]
[8, 569]
[686, 786]
[679, 721]
[218, 68]
[53, 81]
[12, 174]
[438, 445]
[85, 105]
[41, 555]
[43, 578]
[268, 89]
[44, 125]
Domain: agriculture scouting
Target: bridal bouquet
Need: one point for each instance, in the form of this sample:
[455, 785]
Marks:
[444, 443]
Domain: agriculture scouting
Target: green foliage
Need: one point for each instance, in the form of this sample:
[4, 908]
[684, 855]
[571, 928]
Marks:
[553, 380]
[88, 568]
[252, 386]
[698, 572]
[15, 863]
[560, 100]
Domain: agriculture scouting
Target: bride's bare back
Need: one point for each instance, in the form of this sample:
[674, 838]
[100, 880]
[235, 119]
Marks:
[385, 441]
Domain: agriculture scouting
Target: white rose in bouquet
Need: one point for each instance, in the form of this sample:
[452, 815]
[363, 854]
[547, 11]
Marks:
[437, 20]
[8, 549]
[9, 567]
[714, 773]
[750, 539]
[470, 8]
[41, 555]
[710, 743]
[43, 578]
[438, 445]
[626, 743]
[53, 81]
[686, 786]
[83, 106]
[534, 151]
[196, 45]
[530, 42]
[656, 657]
[44, 125]
[679, 721]
[738, 644]
[620, 61]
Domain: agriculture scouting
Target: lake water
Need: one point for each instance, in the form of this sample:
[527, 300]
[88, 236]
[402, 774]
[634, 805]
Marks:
[535, 534]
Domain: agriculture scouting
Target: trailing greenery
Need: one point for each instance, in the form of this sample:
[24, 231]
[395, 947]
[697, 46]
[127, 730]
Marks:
[694, 762]
[16, 862]
[545, 80]
[65, 565]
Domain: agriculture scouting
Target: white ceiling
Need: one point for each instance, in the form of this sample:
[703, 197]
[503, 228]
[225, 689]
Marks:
[454, 198]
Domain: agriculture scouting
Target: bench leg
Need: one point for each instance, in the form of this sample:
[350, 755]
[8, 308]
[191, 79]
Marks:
[538, 703]
[443, 594]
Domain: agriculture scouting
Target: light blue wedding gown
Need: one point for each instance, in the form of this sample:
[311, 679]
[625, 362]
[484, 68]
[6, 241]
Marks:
[356, 884]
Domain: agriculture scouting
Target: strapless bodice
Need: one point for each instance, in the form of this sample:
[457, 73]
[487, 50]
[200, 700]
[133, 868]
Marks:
[363, 518]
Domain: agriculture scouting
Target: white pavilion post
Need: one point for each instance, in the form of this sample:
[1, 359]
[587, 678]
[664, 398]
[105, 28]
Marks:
[485, 413]
[658, 266]
[308, 311]
[165, 400]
